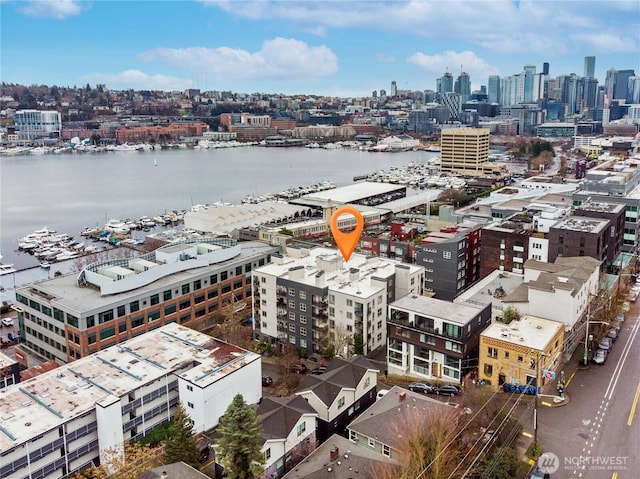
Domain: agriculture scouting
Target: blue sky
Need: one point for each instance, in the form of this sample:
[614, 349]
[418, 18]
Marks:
[338, 48]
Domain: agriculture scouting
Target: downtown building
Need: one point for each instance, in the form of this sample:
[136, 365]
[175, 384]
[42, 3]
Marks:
[309, 296]
[34, 124]
[81, 414]
[69, 317]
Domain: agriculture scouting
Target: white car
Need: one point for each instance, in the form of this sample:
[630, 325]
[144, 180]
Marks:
[7, 321]
[381, 393]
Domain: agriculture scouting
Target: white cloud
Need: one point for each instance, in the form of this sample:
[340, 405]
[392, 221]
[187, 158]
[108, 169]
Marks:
[607, 42]
[454, 61]
[504, 26]
[138, 80]
[278, 58]
[58, 9]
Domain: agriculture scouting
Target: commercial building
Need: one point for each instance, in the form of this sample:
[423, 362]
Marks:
[434, 339]
[464, 150]
[310, 296]
[34, 124]
[68, 419]
[69, 317]
[524, 352]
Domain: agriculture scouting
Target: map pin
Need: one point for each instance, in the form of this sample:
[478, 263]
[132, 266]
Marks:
[346, 241]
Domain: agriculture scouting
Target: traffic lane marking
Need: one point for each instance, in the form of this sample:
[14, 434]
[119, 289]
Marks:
[634, 404]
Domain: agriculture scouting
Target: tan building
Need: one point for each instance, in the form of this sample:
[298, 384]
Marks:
[464, 150]
[509, 352]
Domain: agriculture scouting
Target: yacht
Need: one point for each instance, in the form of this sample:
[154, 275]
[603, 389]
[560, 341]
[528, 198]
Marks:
[116, 226]
[7, 269]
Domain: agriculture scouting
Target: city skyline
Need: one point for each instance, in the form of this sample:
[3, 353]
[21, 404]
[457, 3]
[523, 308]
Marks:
[301, 47]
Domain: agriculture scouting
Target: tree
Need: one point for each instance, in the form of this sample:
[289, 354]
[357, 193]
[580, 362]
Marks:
[241, 441]
[510, 313]
[137, 459]
[181, 445]
[357, 344]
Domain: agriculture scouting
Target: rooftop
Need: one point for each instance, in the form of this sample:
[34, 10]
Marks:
[44, 402]
[457, 313]
[529, 332]
[349, 194]
[585, 225]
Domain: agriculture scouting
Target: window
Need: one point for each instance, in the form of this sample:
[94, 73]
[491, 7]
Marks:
[292, 304]
[91, 321]
[292, 316]
[185, 289]
[332, 299]
[303, 331]
[506, 354]
[267, 454]
[169, 309]
[492, 352]
[520, 358]
[185, 304]
[349, 302]
[303, 319]
[238, 270]
[155, 299]
[166, 296]
[302, 294]
[190, 404]
[121, 310]
[451, 346]
[302, 427]
[134, 306]
[353, 436]
[372, 443]
[303, 306]
[292, 327]
[213, 279]
[340, 402]
[386, 451]
[488, 369]
[292, 292]
[224, 276]
[189, 387]
[105, 316]
[107, 333]
[367, 381]
[446, 254]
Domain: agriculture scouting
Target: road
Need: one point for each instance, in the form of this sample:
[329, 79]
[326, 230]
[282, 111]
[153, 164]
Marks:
[597, 434]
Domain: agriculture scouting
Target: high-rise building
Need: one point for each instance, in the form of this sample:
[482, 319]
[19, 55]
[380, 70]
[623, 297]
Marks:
[452, 101]
[464, 150]
[633, 90]
[622, 83]
[463, 87]
[494, 89]
[529, 71]
[444, 84]
[545, 68]
[394, 89]
[589, 67]
[610, 84]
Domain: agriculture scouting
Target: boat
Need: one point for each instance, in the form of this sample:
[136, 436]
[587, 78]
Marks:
[116, 226]
[7, 269]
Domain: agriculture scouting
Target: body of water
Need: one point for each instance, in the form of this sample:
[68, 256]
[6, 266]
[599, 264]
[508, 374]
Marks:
[70, 192]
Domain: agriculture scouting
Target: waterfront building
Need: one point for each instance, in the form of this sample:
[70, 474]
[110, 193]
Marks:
[434, 339]
[309, 296]
[525, 352]
[35, 124]
[464, 150]
[72, 316]
[80, 414]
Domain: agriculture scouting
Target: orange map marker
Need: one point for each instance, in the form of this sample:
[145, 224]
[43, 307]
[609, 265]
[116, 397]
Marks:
[346, 241]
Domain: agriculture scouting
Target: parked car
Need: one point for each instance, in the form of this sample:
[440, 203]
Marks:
[300, 368]
[319, 370]
[267, 380]
[421, 387]
[613, 334]
[448, 390]
[600, 356]
[7, 321]
[13, 336]
[538, 474]
[605, 343]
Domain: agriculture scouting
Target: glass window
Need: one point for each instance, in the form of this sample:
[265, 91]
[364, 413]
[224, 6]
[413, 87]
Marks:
[166, 296]
[185, 289]
[134, 306]
[169, 309]
[155, 299]
[108, 332]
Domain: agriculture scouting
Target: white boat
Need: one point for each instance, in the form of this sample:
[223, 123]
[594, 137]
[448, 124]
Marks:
[116, 226]
[7, 269]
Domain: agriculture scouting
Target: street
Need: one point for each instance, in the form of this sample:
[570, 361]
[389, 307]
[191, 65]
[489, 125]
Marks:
[596, 435]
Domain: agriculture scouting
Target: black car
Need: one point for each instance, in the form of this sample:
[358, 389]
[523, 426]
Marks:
[319, 370]
[448, 390]
[267, 380]
[421, 387]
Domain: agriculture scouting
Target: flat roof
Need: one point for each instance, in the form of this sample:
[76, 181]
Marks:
[68, 295]
[584, 224]
[350, 193]
[457, 313]
[529, 332]
[37, 405]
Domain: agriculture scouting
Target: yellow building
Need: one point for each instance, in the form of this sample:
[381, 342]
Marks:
[464, 150]
[509, 352]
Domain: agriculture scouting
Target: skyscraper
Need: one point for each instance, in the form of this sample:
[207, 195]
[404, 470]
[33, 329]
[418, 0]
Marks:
[589, 67]
[444, 84]
[494, 89]
[545, 68]
[622, 83]
[463, 87]
[394, 89]
[633, 90]
[529, 72]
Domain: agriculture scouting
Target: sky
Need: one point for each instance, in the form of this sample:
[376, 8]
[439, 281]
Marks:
[338, 48]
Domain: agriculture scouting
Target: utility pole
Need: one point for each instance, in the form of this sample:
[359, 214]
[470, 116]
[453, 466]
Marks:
[535, 405]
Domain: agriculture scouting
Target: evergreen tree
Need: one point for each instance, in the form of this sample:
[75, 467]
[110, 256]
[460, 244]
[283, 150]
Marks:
[240, 441]
[181, 445]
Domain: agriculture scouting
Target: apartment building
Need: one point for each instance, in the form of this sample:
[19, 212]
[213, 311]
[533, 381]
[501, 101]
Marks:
[615, 213]
[526, 352]
[464, 150]
[308, 296]
[70, 418]
[72, 316]
[434, 339]
[580, 236]
[34, 124]
[141, 134]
